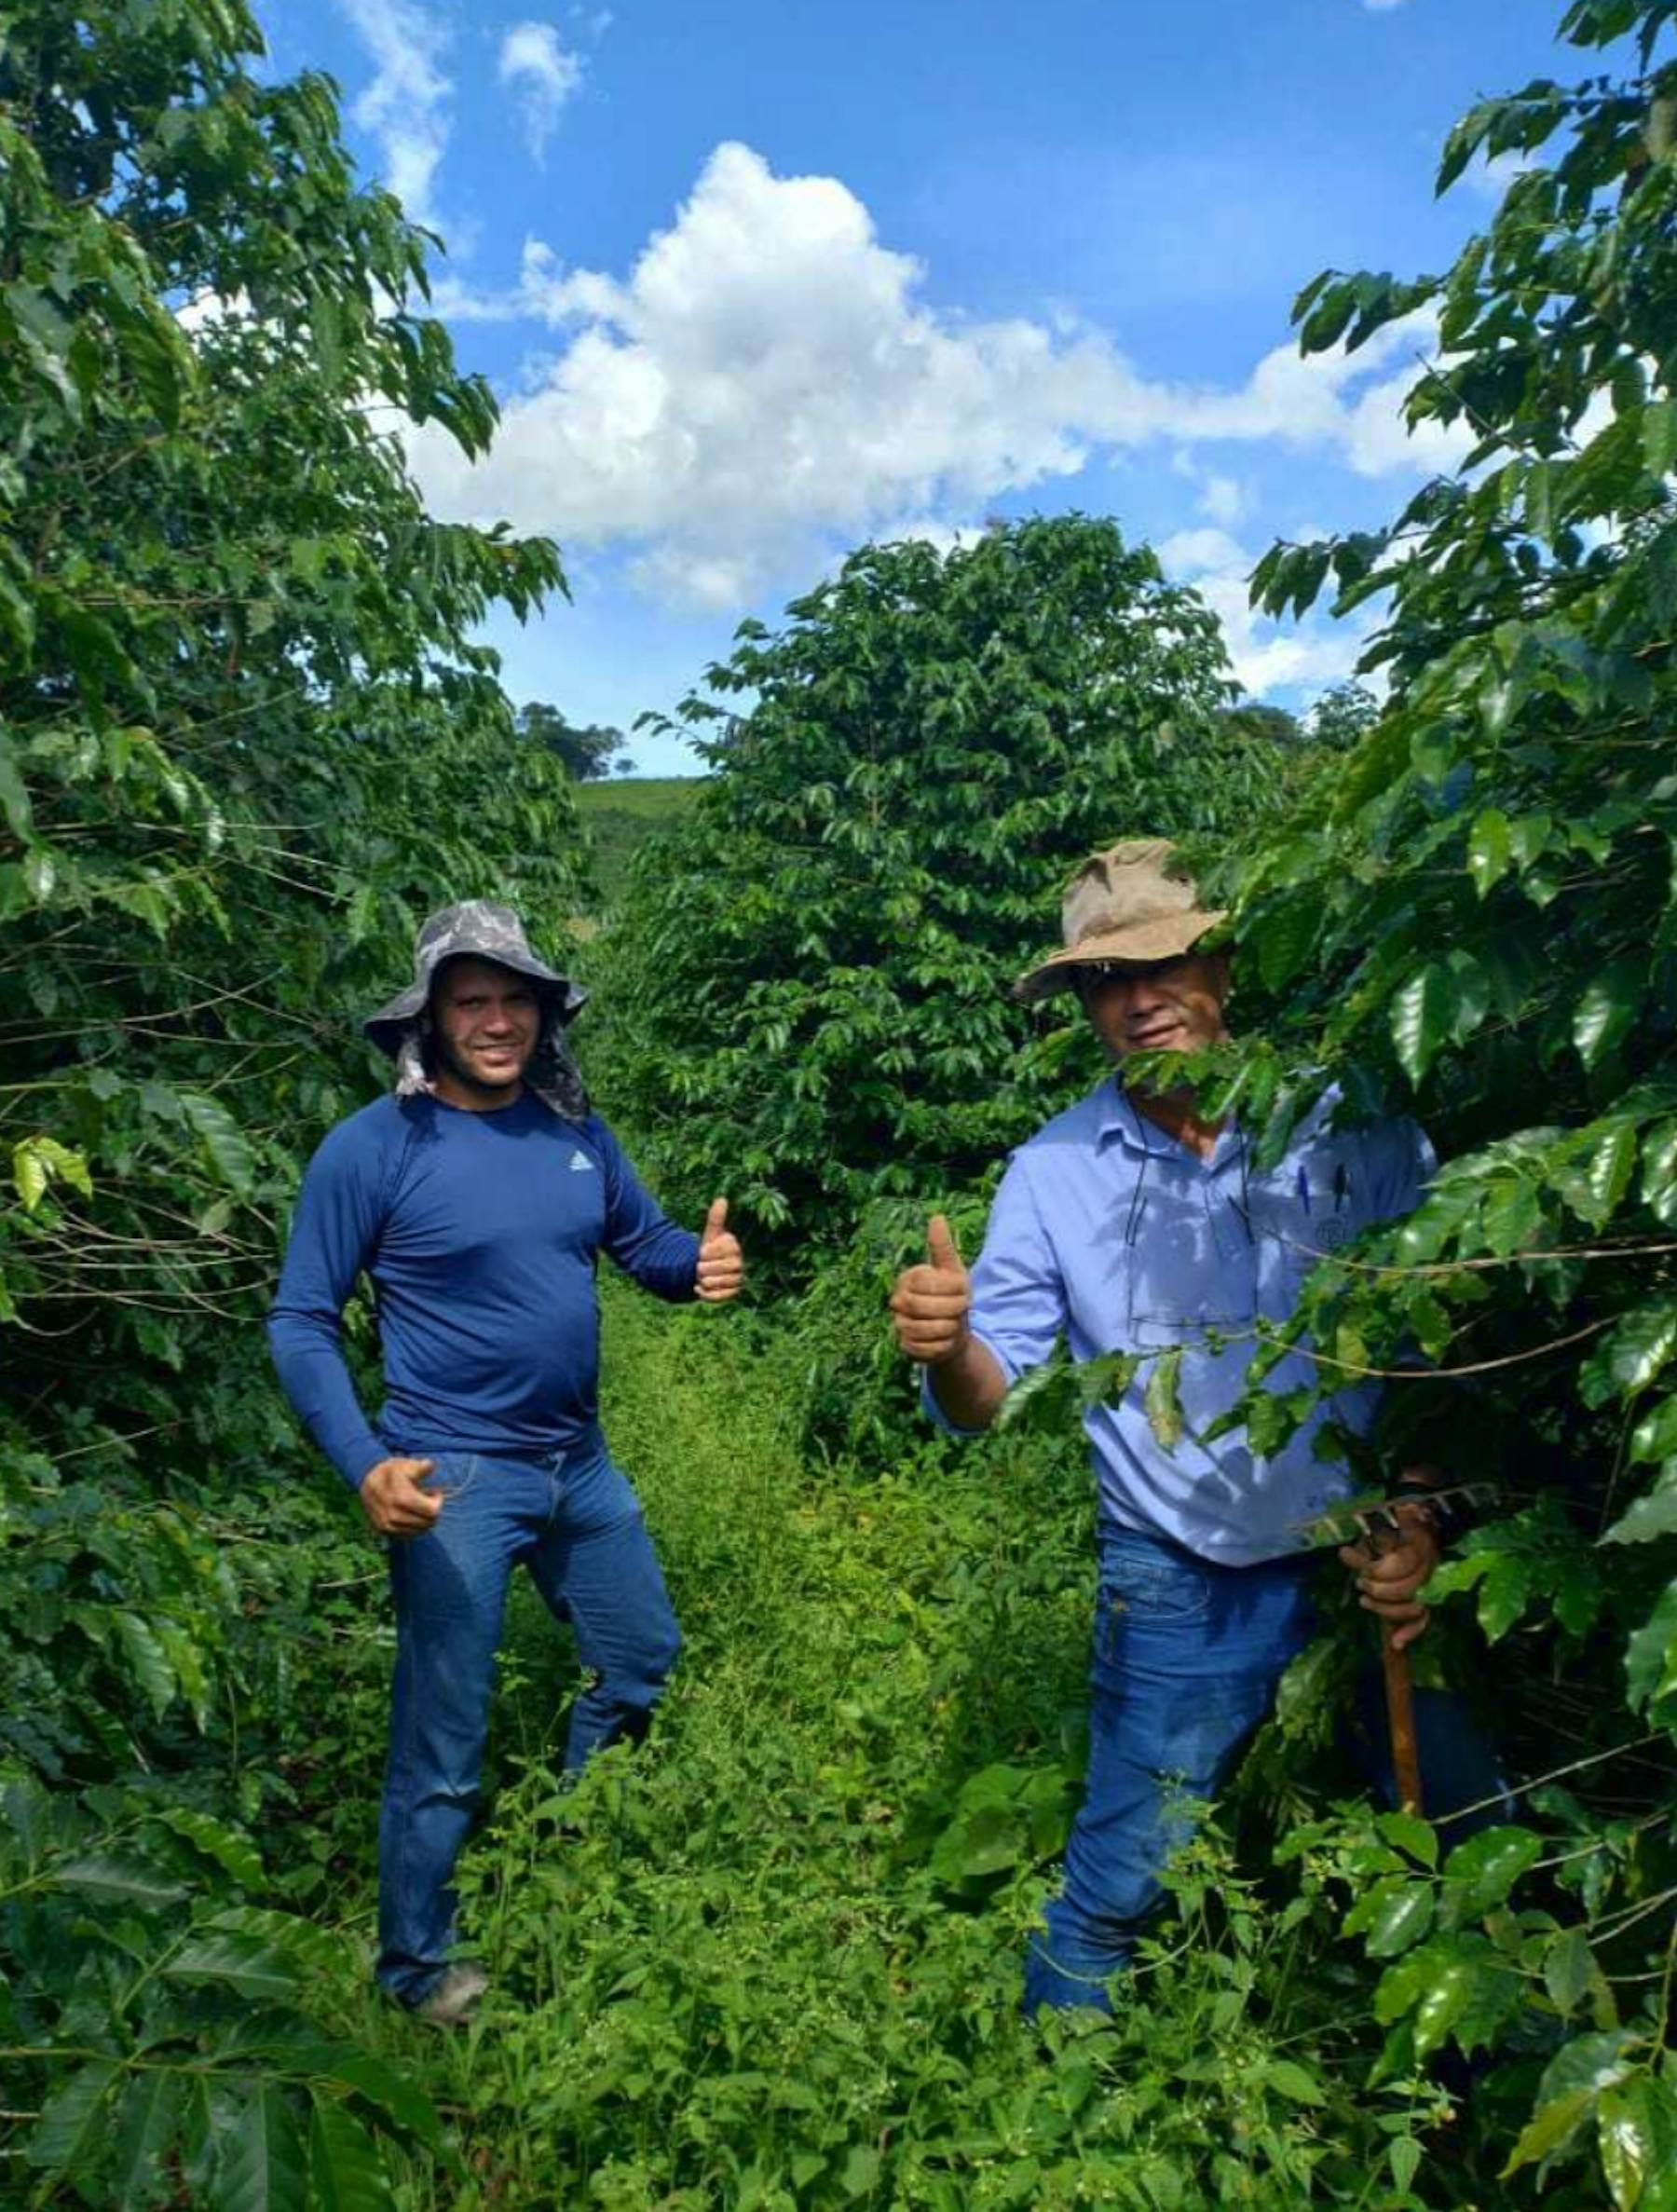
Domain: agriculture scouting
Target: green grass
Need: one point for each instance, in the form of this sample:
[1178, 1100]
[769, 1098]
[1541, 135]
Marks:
[620, 813]
[772, 1958]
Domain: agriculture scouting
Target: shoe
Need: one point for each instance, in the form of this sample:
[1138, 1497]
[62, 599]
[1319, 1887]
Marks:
[454, 1999]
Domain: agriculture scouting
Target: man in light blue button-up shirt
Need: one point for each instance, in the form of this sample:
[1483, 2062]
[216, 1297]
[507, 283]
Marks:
[1119, 1236]
[1130, 1224]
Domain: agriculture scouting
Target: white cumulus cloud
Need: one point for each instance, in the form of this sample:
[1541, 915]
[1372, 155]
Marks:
[1265, 655]
[541, 73]
[1224, 499]
[768, 379]
[405, 107]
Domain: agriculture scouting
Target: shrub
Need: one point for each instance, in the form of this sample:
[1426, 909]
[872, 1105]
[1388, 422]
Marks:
[246, 737]
[810, 972]
[1474, 919]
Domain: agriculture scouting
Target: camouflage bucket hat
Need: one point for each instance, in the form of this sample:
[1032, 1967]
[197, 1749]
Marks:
[478, 928]
[1122, 905]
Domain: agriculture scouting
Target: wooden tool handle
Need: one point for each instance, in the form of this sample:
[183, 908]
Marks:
[1400, 1717]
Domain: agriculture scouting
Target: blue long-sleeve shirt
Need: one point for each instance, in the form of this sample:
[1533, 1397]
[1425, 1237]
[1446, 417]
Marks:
[1107, 1231]
[480, 1232]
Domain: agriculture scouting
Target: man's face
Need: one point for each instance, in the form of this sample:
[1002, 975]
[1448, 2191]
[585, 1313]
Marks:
[1165, 1005]
[486, 1020]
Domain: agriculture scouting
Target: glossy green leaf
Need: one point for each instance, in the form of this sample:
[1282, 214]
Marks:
[398, 2099]
[121, 1879]
[227, 1148]
[1655, 1436]
[1650, 1655]
[1597, 1177]
[1411, 1834]
[1391, 1917]
[1642, 1346]
[1489, 852]
[1651, 1516]
[71, 2136]
[1589, 2062]
[1549, 2127]
[1513, 1215]
[263, 2166]
[1528, 838]
[1404, 2156]
[1044, 1398]
[149, 2120]
[1660, 436]
[1441, 2005]
[1659, 1171]
[1570, 1969]
[1625, 2138]
[234, 1961]
[1421, 1019]
[217, 1841]
[1608, 1008]
[146, 1657]
[1480, 1874]
[1106, 1380]
[1163, 1399]
[345, 2173]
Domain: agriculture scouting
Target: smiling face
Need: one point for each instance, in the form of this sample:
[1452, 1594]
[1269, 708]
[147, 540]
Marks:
[485, 1024]
[1165, 1005]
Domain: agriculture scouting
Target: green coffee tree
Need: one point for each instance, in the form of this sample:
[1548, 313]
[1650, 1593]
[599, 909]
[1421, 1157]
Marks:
[1474, 917]
[245, 738]
[809, 975]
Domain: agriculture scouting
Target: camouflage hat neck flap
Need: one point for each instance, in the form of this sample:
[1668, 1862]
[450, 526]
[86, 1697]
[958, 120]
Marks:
[1122, 903]
[480, 929]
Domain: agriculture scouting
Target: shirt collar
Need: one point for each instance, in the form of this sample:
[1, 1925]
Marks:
[1122, 1121]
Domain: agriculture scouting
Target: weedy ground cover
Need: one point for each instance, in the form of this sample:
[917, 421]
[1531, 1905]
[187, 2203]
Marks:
[772, 1958]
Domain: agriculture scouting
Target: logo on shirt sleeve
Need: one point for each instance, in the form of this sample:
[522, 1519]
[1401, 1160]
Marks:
[580, 1164]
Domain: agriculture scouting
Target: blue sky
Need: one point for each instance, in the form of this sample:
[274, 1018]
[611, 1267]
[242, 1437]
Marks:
[757, 281]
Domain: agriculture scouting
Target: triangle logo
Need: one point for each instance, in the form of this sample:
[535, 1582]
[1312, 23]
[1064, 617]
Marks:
[580, 1164]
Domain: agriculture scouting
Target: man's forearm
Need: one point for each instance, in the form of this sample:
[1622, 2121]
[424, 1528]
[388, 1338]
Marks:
[316, 1378]
[969, 1385]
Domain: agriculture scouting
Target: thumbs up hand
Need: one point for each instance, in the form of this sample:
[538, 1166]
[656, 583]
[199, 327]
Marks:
[930, 1304]
[721, 1262]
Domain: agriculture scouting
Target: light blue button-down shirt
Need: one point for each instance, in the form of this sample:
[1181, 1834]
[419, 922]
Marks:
[1108, 1230]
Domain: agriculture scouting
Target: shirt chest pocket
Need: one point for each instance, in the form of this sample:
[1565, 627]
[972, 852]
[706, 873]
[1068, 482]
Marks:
[1308, 1210]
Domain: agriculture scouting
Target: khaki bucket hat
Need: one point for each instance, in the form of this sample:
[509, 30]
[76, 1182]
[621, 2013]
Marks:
[1121, 905]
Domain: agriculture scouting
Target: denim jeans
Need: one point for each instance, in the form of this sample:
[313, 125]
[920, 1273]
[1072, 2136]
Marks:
[576, 1525]
[1187, 1657]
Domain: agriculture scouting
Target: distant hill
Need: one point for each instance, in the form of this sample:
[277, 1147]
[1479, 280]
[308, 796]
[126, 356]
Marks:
[620, 812]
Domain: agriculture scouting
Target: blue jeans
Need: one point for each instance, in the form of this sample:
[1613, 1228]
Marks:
[1187, 1657]
[576, 1525]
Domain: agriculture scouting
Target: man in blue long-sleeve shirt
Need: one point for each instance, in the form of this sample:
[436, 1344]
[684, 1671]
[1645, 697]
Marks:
[477, 1200]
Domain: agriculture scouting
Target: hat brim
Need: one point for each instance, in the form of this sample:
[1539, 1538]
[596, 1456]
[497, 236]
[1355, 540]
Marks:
[1168, 938]
[386, 1026]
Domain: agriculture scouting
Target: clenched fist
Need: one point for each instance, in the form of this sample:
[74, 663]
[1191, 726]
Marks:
[721, 1262]
[1389, 1575]
[393, 1501]
[930, 1304]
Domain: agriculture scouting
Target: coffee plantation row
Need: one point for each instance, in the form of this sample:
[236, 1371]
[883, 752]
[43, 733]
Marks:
[248, 737]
